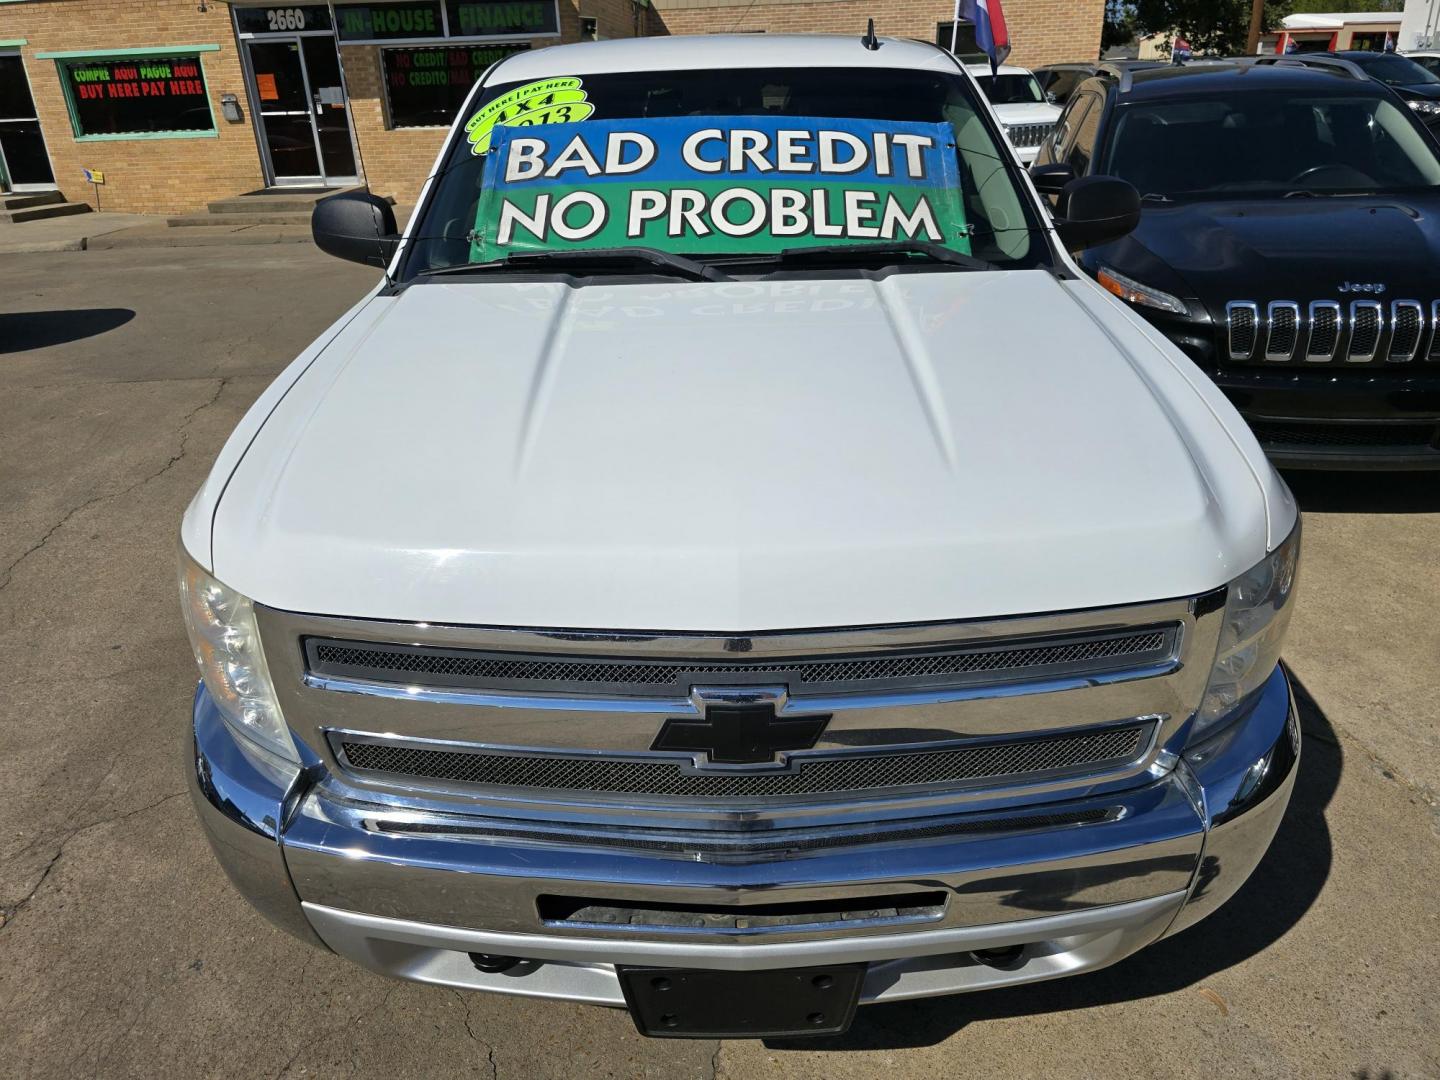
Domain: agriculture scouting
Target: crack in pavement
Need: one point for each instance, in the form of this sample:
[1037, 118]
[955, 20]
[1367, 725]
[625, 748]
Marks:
[349, 1022]
[7, 575]
[470, 1030]
[7, 915]
[266, 374]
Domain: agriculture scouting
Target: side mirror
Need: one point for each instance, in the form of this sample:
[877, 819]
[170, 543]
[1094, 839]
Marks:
[356, 226]
[1095, 210]
[1051, 179]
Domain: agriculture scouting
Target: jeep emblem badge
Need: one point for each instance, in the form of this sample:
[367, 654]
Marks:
[1375, 287]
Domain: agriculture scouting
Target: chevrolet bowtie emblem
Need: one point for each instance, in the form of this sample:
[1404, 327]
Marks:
[740, 726]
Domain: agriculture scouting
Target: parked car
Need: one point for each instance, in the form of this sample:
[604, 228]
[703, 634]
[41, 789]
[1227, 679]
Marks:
[737, 628]
[1410, 79]
[1288, 245]
[1428, 59]
[1060, 80]
[1026, 114]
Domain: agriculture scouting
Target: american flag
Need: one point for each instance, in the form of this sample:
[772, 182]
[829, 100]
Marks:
[990, 32]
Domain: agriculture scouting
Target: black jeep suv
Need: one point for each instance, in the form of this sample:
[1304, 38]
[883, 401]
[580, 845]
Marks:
[1289, 244]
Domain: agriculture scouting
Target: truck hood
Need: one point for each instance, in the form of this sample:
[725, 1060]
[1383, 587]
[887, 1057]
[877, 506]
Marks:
[1028, 112]
[739, 456]
[1295, 249]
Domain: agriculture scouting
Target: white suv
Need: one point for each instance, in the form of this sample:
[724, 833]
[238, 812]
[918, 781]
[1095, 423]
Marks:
[1026, 112]
[735, 566]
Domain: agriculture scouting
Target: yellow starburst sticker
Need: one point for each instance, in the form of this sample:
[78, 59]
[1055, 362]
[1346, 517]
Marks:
[549, 101]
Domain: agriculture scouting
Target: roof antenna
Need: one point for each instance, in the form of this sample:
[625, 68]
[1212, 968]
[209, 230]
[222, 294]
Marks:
[870, 41]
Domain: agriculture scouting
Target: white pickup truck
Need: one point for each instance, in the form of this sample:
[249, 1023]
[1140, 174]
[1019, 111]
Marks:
[735, 566]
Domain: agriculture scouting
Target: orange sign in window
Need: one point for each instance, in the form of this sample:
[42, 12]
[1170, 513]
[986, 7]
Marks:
[266, 85]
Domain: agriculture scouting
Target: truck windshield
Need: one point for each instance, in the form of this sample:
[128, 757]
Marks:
[1395, 70]
[1011, 89]
[718, 165]
[1264, 143]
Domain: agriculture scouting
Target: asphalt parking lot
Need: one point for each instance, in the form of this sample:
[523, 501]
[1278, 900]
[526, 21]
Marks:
[124, 951]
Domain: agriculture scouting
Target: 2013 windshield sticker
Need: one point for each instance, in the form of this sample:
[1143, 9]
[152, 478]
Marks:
[550, 101]
[716, 184]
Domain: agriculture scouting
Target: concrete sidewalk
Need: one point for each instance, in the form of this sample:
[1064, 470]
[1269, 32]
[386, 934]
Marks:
[73, 233]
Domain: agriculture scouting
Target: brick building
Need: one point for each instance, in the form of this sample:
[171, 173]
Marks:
[180, 102]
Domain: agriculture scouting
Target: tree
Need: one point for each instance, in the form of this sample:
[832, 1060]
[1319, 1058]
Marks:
[1119, 28]
[1211, 26]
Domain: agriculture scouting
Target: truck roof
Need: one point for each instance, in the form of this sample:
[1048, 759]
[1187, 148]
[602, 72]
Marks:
[721, 51]
[1203, 79]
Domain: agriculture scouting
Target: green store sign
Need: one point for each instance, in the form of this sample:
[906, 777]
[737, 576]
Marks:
[408, 20]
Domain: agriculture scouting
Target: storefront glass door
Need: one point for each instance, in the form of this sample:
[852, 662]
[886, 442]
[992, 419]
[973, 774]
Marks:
[300, 102]
[24, 162]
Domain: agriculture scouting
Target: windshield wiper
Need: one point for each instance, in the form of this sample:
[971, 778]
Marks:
[843, 253]
[614, 260]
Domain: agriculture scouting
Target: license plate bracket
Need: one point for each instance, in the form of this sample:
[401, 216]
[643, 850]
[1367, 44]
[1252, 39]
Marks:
[682, 1003]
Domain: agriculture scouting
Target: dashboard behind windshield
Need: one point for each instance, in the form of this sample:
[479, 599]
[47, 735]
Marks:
[1000, 223]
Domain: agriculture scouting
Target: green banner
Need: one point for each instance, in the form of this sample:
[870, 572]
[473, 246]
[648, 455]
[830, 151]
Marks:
[711, 184]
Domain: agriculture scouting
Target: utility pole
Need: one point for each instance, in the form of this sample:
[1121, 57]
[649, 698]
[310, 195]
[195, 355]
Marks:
[1257, 20]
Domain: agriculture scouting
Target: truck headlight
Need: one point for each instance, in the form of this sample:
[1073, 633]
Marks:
[227, 648]
[1127, 288]
[1257, 613]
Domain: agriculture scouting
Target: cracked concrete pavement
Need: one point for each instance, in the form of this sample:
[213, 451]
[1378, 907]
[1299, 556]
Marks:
[124, 951]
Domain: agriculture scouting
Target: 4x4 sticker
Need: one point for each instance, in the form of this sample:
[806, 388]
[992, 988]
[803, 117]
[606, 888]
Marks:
[549, 101]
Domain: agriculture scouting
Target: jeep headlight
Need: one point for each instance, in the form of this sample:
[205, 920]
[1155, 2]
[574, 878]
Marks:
[227, 648]
[1127, 288]
[1257, 613]
[1425, 108]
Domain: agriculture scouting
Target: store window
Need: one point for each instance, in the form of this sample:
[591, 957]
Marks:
[963, 37]
[425, 87]
[158, 94]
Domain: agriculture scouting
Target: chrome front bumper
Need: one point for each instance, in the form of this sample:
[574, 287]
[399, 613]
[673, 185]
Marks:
[360, 879]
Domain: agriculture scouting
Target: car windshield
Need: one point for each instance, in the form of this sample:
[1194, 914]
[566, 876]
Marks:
[1269, 143]
[1395, 70]
[1429, 63]
[1011, 89]
[713, 165]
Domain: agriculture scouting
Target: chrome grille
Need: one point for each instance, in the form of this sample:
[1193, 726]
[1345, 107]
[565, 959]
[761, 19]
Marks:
[460, 668]
[1407, 323]
[1366, 322]
[1243, 318]
[1324, 330]
[1360, 332]
[1279, 433]
[1027, 135]
[1284, 330]
[674, 777]
[750, 843]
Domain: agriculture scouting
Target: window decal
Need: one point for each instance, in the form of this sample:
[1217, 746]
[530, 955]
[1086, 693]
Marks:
[549, 101]
[139, 96]
[714, 184]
